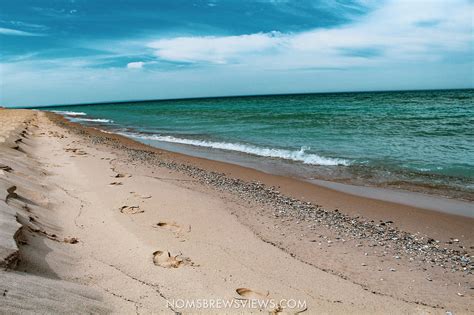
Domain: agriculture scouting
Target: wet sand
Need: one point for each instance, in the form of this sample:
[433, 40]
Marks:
[419, 200]
[117, 226]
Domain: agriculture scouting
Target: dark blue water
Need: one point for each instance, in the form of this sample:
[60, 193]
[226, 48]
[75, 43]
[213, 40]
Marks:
[420, 138]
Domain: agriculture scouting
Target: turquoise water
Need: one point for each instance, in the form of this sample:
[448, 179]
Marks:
[421, 138]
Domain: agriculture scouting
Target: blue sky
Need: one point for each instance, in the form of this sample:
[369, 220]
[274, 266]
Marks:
[74, 51]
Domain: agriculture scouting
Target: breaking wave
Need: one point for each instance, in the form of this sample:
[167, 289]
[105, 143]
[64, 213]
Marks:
[93, 120]
[297, 155]
[67, 113]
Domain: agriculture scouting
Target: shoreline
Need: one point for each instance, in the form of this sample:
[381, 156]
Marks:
[289, 169]
[313, 190]
[403, 197]
[442, 225]
[341, 253]
[427, 198]
[436, 175]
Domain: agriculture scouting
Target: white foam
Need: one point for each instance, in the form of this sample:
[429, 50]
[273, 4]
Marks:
[297, 155]
[93, 120]
[69, 113]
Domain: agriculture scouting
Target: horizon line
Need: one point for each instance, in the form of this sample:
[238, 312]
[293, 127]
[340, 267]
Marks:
[229, 96]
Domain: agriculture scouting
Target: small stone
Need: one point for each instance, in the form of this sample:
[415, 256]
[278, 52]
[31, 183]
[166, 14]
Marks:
[392, 269]
[460, 294]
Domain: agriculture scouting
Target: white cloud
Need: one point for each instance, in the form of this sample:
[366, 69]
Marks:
[135, 65]
[13, 32]
[218, 50]
[399, 30]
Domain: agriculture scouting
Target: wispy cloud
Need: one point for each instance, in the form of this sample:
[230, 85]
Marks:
[399, 30]
[211, 49]
[24, 25]
[13, 32]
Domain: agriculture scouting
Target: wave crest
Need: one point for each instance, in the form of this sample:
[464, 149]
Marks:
[93, 120]
[299, 155]
[68, 113]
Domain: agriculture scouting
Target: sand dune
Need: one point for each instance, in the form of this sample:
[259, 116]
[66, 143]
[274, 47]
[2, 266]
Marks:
[27, 225]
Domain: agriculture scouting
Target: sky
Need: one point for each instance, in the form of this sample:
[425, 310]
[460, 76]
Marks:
[80, 51]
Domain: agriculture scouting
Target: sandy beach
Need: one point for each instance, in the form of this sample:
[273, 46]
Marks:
[93, 222]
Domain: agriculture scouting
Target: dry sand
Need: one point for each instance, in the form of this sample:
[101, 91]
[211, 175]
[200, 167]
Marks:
[95, 225]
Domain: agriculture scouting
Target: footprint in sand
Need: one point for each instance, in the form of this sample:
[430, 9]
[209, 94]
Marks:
[119, 175]
[11, 193]
[5, 168]
[166, 260]
[254, 295]
[172, 226]
[76, 151]
[169, 225]
[251, 295]
[131, 209]
[135, 194]
[18, 148]
[71, 240]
